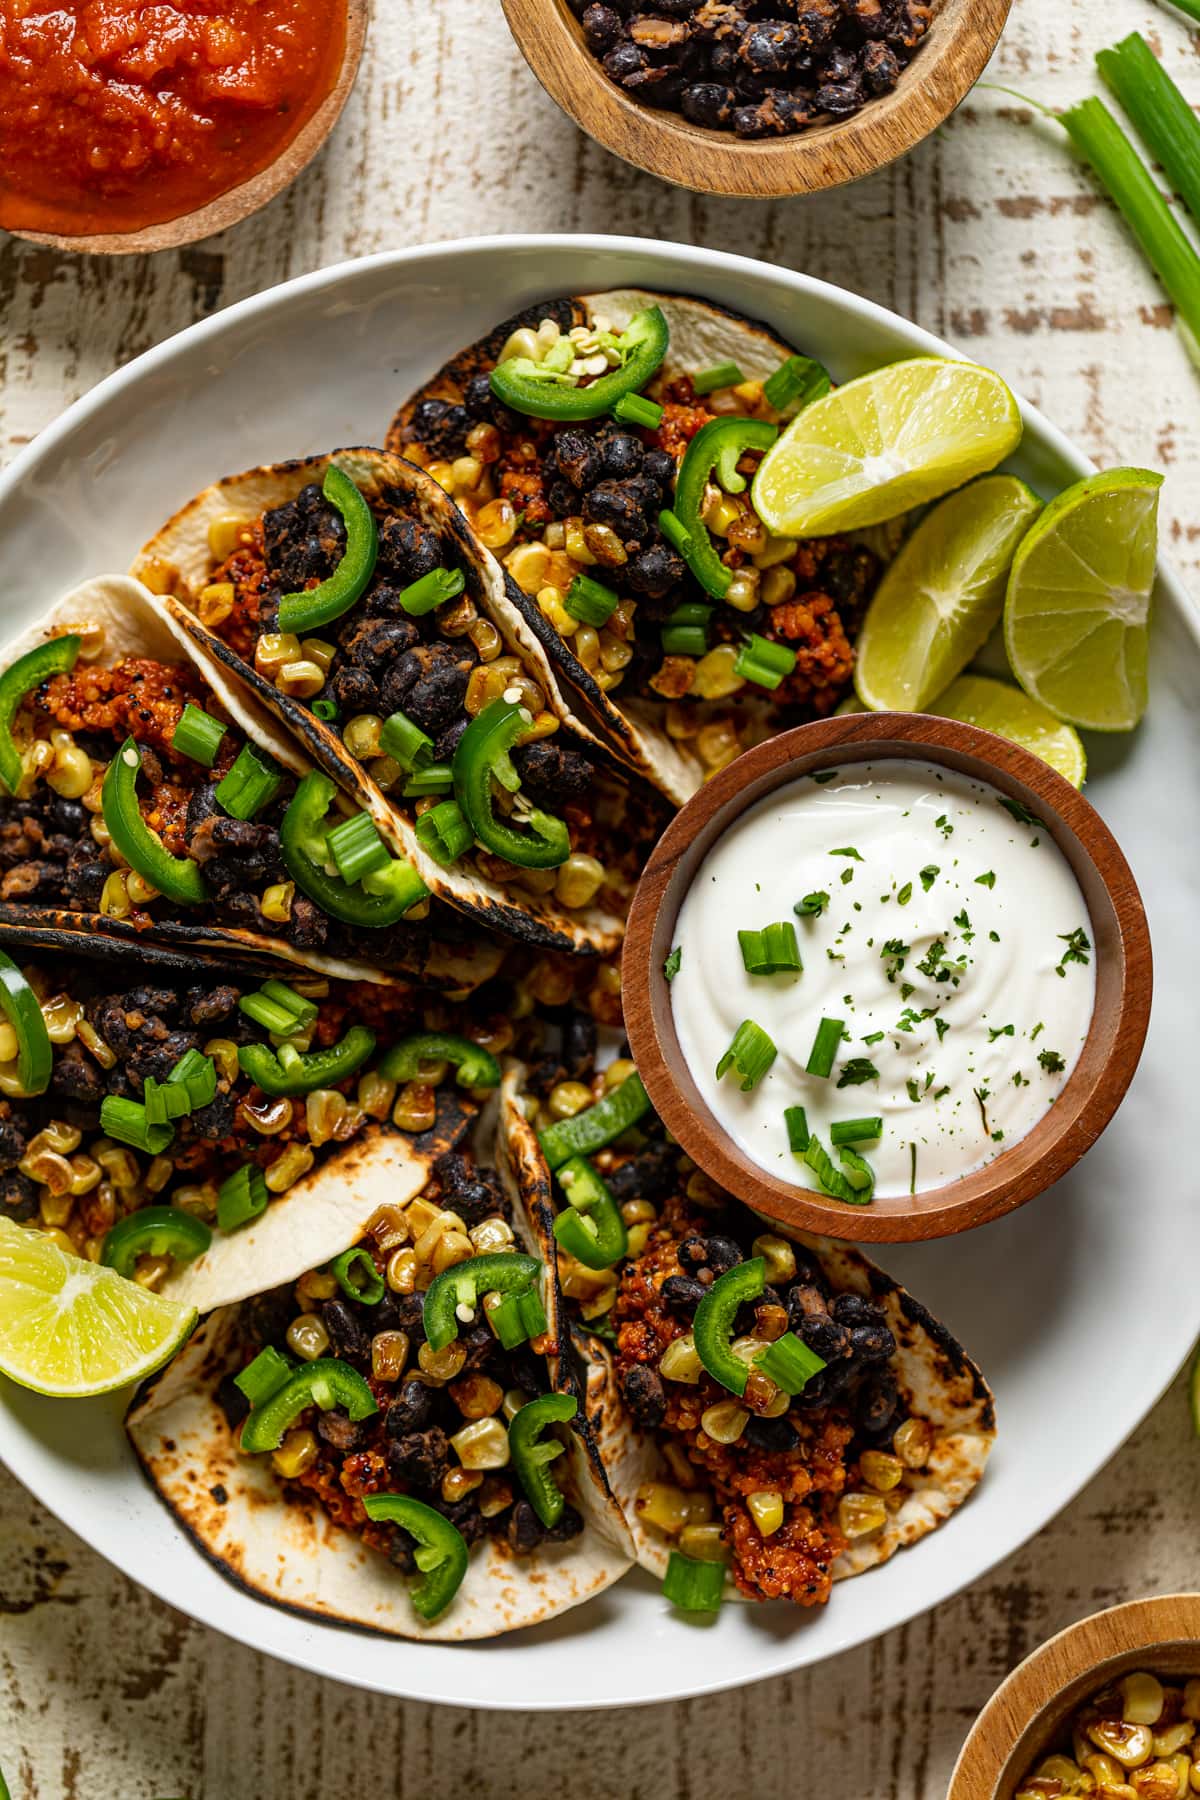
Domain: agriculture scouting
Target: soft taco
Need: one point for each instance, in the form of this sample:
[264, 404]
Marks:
[767, 1402]
[144, 798]
[212, 1136]
[383, 1444]
[601, 446]
[349, 597]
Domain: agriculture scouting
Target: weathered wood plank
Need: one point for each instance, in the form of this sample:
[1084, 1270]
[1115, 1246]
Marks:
[990, 234]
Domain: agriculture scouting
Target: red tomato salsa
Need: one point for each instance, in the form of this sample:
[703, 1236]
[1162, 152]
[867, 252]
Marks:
[119, 114]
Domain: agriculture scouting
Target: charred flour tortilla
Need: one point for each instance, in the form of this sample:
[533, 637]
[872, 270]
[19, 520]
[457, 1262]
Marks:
[879, 1448]
[572, 479]
[136, 668]
[381, 660]
[303, 1542]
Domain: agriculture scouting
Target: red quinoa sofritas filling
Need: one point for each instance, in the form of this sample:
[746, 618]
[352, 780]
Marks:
[791, 1482]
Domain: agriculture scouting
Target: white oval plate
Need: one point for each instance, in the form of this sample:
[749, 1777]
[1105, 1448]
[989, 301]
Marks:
[1080, 1307]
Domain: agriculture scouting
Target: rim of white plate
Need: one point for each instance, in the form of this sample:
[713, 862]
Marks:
[302, 1642]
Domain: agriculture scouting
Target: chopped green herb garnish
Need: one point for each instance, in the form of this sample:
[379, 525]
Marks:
[671, 965]
[999, 1031]
[1020, 813]
[856, 1071]
[941, 1026]
[824, 775]
[947, 830]
[1037, 1030]
[874, 1037]
[847, 875]
[812, 906]
[914, 1092]
[905, 894]
[1051, 1061]
[987, 880]
[849, 850]
[1078, 945]
[929, 875]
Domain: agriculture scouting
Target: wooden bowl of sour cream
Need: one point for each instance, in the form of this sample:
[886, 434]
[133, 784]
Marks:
[951, 1189]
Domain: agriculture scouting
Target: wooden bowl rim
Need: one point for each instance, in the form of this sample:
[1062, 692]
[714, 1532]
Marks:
[1116, 1033]
[1024, 1714]
[664, 143]
[237, 203]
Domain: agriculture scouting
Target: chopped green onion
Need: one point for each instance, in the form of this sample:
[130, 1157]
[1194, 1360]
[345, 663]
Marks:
[198, 735]
[685, 631]
[438, 778]
[831, 1180]
[357, 848]
[635, 409]
[691, 1585]
[198, 1073]
[357, 1276]
[855, 1131]
[1160, 112]
[796, 1120]
[858, 1172]
[432, 590]
[750, 1055]
[241, 1197]
[825, 1047]
[590, 601]
[799, 378]
[764, 662]
[279, 1008]
[672, 962]
[326, 709]
[128, 1122]
[444, 832]
[1096, 133]
[721, 375]
[771, 951]
[164, 1101]
[405, 742]
[675, 531]
[264, 1376]
[518, 1317]
[789, 1363]
[252, 783]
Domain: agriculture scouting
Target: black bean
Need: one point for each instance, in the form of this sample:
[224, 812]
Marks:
[622, 455]
[880, 68]
[659, 465]
[524, 1529]
[408, 549]
[876, 1403]
[772, 1435]
[852, 1309]
[339, 1431]
[840, 99]
[442, 427]
[602, 28]
[18, 1196]
[346, 1332]
[551, 775]
[355, 690]
[693, 1253]
[683, 1294]
[655, 571]
[827, 1339]
[570, 1524]
[624, 61]
[410, 1410]
[375, 643]
[872, 1344]
[232, 1402]
[642, 1389]
[422, 1457]
[579, 1044]
[723, 1254]
[770, 46]
[409, 1313]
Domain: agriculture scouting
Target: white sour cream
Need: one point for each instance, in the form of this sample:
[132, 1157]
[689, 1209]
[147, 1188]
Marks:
[955, 947]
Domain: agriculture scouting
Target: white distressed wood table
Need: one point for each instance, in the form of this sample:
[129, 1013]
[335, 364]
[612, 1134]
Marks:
[990, 235]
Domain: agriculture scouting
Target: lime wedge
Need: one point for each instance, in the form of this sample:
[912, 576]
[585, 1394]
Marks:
[69, 1327]
[896, 438]
[1077, 615]
[941, 597]
[1000, 707]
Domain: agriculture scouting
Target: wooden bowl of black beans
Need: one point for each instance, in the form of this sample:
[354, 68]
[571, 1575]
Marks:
[759, 98]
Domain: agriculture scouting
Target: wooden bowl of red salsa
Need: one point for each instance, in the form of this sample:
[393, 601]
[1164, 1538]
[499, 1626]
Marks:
[132, 127]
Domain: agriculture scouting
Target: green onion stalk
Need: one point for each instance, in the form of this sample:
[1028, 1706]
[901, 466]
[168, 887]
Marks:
[1163, 117]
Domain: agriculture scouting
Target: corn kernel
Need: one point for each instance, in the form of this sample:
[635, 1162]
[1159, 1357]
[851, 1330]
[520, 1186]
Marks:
[482, 1444]
[477, 1396]
[491, 1235]
[298, 1452]
[1157, 1781]
[567, 1099]
[913, 1442]
[714, 677]
[766, 1509]
[880, 1471]
[458, 1483]
[1127, 1744]
[665, 1507]
[114, 897]
[362, 734]
[224, 536]
[215, 603]
[680, 1360]
[274, 650]
[725, 1422]
[527, 565]
[861, 1514]
[300, 679]
[441, 1366]
[307, 1337]
[1141, 1699]
[779, 1255]
[375, 1095]
[389, 1354]
[415, 1108]
[402, 1270]
[71, 772]
[578, 880]
[704, 1543]
[495, 1497]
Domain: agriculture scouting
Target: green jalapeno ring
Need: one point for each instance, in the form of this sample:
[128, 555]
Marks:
[713, 1327]
[441, 1556]
[483, 753]
[531, 1456]
[524, 386]
[22, 1009]
[288, 1071]
[380, 899]
[463, 1284]
[597, 1126]
[154, 1231]
[57, 656]
[474, 1066]
[306, 611]
[176, 878]
[717, 447]
[326, 1383]
[592, 1229]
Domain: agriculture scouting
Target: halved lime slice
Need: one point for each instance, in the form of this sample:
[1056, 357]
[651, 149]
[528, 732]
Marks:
[1000, 707]
[69, 1327]
[1077, 615]
[896, 438]
[941, 597]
